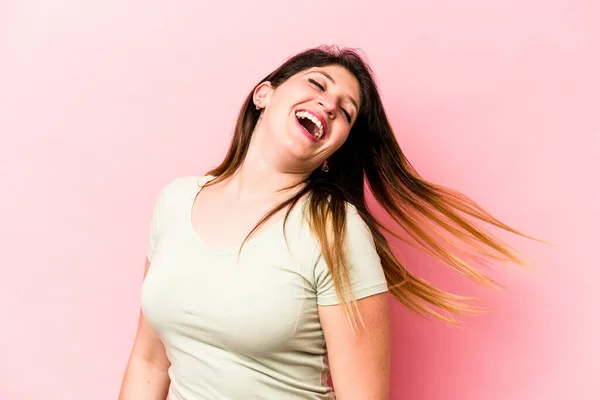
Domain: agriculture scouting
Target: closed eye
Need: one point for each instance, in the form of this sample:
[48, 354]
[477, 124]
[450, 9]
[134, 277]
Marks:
[347, 115]
[317, 84]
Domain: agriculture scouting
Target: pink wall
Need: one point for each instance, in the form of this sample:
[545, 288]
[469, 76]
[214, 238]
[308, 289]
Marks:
[101, 103]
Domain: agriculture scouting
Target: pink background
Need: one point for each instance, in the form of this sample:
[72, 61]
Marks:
[101, 103]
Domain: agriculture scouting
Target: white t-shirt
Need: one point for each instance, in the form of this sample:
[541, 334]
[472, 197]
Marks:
[248, 328]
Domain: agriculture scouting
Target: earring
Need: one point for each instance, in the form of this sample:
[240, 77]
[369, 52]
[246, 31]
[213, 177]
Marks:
[257, 107]
[325, 167]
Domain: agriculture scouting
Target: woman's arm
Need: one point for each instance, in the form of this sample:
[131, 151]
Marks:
[146, 376]
[359, 361]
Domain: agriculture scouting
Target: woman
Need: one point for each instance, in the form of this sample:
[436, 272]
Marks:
[270, 273]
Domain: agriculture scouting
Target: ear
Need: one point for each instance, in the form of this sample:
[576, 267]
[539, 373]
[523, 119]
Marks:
[262, 94]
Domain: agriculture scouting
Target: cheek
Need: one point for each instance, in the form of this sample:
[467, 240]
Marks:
[276, 118]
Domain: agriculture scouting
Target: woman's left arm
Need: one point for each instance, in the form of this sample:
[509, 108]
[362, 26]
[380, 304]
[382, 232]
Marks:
[359, 361]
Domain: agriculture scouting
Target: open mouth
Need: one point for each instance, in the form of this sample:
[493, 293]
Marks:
[311, 123]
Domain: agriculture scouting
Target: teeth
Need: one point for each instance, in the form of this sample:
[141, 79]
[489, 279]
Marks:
[314, 119]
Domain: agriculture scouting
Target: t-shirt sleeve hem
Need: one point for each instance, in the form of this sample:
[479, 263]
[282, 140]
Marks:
[359, 294]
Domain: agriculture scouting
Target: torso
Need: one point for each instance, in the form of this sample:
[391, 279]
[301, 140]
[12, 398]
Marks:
[243, 325]
[235, 327]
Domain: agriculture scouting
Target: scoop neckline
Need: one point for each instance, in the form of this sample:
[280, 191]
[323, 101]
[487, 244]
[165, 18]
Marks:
[231, 249]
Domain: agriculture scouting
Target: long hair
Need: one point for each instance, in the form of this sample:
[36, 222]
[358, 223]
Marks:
[435, 217]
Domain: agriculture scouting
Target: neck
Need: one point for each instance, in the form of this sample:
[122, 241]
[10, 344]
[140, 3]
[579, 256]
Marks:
[263, 174]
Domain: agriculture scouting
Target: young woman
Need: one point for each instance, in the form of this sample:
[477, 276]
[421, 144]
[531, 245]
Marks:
[270, 273]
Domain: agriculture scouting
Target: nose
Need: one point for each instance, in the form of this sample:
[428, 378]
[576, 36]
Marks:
[329, 105]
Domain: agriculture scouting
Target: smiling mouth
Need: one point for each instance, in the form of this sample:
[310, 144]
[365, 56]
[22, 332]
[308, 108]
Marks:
[311, 123]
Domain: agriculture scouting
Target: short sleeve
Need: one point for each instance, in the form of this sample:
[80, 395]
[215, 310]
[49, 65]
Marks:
[157, 222]
[366, 272]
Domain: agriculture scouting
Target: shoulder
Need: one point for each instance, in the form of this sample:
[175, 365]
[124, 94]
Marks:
[358, 238]
[355, 224]
[353, 218]
[177, 191]
[184, 183]
[362, 260]
[357, 230]
[181, 186]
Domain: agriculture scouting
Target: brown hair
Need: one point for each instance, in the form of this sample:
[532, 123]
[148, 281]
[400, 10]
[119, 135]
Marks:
[431, 214]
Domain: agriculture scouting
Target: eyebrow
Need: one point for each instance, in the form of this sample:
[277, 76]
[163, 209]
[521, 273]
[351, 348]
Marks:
[326, 75]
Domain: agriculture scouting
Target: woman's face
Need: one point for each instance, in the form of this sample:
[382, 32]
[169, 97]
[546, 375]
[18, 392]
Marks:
[309, 116]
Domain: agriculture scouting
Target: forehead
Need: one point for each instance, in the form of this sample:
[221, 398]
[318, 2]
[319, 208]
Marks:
[339, 77]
